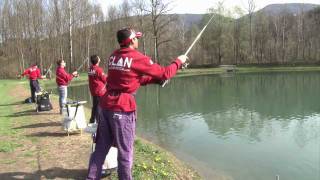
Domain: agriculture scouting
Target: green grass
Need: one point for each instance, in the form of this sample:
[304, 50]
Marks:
[34, 139]
[277, 69]
[8, 146]
[10, 138]
[29, 154]
[251, 69]
[6, 109]
[7, 161]
[150, 162]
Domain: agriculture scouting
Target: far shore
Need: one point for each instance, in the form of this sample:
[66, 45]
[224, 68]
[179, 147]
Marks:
[83, 78]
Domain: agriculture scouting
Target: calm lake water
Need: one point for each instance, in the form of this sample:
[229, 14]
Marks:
[244, 127]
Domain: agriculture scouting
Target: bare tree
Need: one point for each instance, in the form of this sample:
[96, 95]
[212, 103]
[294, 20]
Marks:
[160, 22]
[250, 9]
[238, 12]
[138, 8]
[41, 30]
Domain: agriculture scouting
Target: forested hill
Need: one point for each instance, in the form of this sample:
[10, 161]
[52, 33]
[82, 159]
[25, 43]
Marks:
[292, 8]
[190, 19]
[272, 9]
[276, 34]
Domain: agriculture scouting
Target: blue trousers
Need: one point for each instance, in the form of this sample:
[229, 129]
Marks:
[63, 92]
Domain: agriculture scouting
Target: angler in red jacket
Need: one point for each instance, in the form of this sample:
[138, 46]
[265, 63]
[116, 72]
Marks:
[127, 70]
[63, 79]
[97, 84]
[33, 74]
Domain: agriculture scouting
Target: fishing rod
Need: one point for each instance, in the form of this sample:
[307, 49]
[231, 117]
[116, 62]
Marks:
[85, 60]
[185, 65]
[48, 70]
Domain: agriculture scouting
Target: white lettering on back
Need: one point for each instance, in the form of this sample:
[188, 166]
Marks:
[127, 62]
[120, 62]
[92, 72]
[111, 60]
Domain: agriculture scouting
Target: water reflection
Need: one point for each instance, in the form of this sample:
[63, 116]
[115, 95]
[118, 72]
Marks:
[243, 103]
[248, 126]
[278, 113]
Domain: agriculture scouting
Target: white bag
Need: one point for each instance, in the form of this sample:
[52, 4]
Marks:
[111, 160]
[74, 117]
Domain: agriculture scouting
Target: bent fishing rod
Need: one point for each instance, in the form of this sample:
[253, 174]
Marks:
[48, 70]
[85, 60]
[185, 65]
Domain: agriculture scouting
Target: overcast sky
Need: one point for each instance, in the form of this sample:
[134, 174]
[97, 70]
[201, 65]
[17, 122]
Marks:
[200, 6]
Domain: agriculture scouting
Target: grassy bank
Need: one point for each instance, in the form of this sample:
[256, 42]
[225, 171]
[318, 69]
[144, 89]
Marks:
[33, 145]
[251, 69]
[7, 144]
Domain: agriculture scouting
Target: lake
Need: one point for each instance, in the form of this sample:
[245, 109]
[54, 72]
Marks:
[253, 126]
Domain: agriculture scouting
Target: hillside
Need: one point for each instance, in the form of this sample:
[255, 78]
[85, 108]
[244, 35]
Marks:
[291, 8]
[272, 9]
[190, 19]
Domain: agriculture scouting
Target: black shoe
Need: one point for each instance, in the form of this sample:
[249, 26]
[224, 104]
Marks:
[105, 173]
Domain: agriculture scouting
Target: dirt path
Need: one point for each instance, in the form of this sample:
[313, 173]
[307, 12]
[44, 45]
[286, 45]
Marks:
[46, 151]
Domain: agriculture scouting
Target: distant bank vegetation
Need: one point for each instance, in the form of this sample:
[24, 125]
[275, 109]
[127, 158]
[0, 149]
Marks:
[43, 31]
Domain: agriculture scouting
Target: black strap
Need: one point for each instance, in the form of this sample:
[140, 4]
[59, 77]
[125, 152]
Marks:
[75, 113]
[67, 109]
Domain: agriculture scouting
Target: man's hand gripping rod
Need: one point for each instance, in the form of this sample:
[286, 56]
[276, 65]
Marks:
[185, 65]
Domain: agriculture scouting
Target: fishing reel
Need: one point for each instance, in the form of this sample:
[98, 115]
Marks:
[185, 65]
[163, 83]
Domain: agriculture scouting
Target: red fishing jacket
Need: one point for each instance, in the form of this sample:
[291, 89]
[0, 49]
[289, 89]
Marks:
[97, 81]
[127, 70]
[33, 73]
[62, 77]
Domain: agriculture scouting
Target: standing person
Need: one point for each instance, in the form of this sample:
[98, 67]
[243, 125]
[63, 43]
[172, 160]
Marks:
[97, 84]
[33, 73]
[127, 70]
[62, 80]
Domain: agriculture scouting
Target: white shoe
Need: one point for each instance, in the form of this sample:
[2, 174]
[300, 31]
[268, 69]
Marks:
[38, 93]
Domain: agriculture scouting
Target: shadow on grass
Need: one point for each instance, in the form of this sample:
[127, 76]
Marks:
[39, 125]
[52, 173]
[49, 134]
[54, 134]
[30, 112]
[12, 104]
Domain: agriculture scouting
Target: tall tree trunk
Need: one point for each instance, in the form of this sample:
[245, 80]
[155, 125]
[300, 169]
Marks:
[283, 39]
[71, 66]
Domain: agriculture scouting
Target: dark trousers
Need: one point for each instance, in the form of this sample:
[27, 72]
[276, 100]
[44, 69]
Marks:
[34, 87]
[118, 129]
[95, 102]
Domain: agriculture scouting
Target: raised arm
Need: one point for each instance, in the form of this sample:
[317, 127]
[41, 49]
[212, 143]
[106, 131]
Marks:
[145, 66]
[145, 80]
